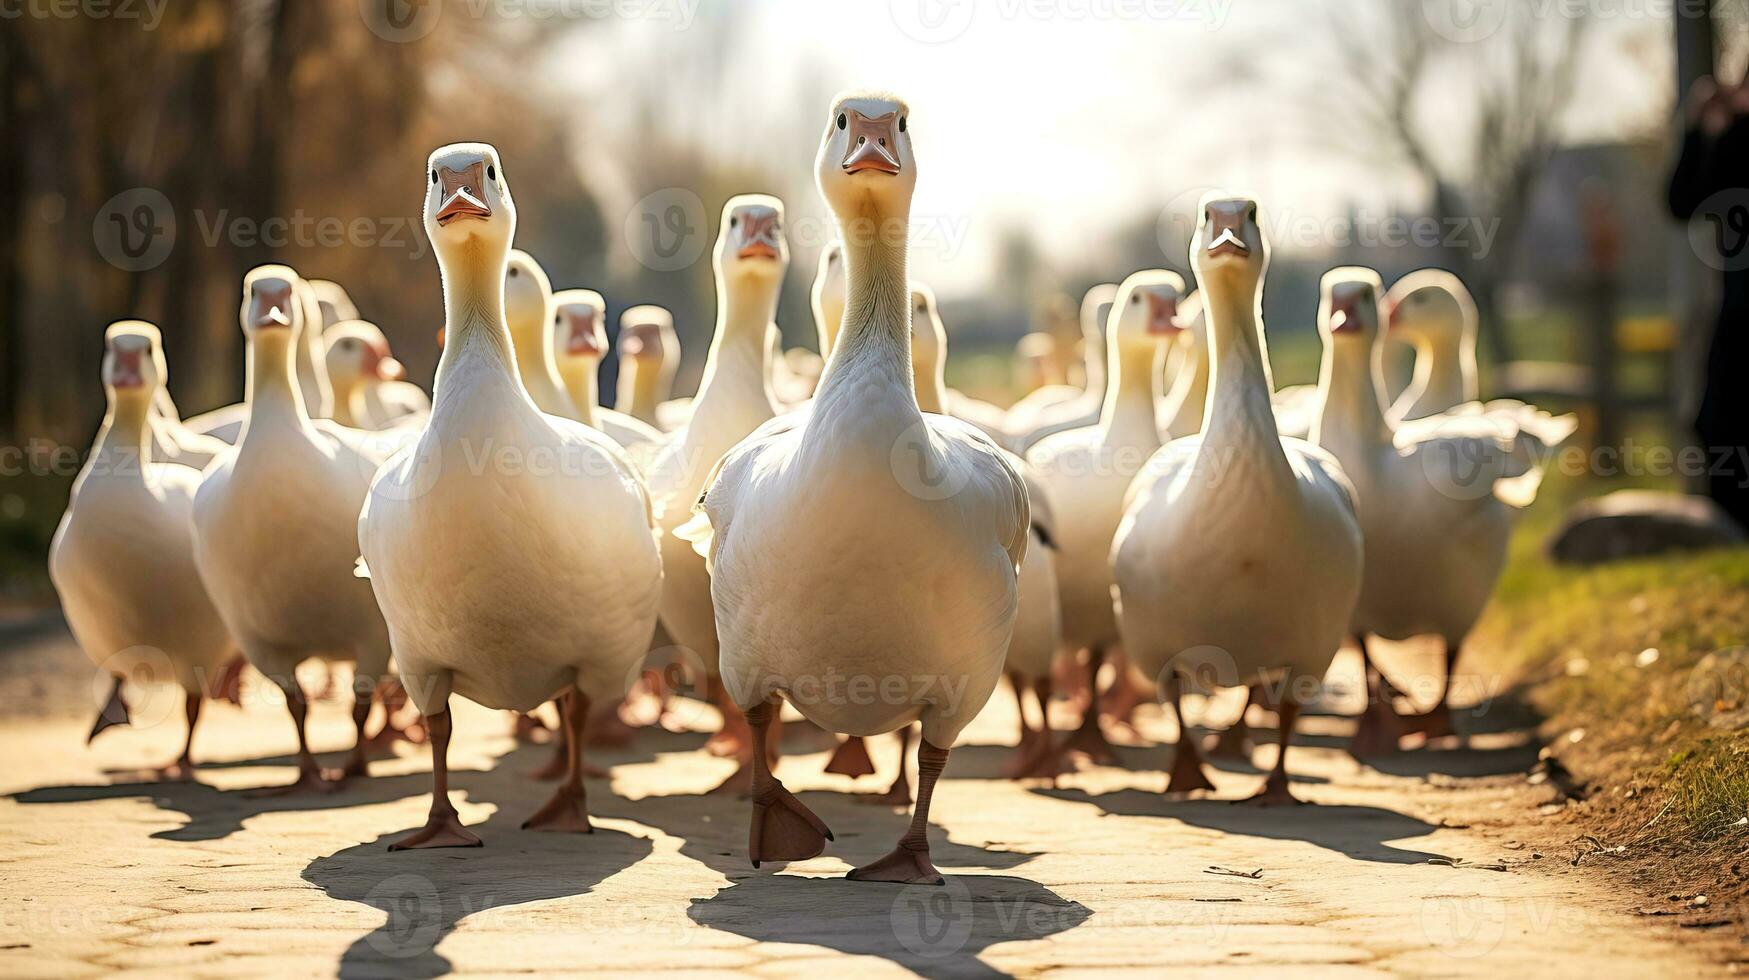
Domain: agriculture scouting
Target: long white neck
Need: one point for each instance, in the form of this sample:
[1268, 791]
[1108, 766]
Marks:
[127, 425]
[345, 389]
[640, 388]
[1190, 391]
[876, 335]
[581, 384]
[740, 356]
[539, 368]
[473, 314]
[1239, 414]
[270, 388]
[1096, 359]
[1445, 372]
[929, 375]
[1127, 416]
[1349, 382]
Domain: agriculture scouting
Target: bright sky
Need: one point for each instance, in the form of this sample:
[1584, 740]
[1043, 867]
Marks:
[1068, 118]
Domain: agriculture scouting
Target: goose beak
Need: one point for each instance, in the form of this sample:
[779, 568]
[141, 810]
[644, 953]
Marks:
[463, 192]
[1162, 315]
[631, 345]
[580, 342]
[462, 204]
[273, 316]
[389, 368]
[1345, 314]
[442, 332]
[871, 143]
[757, 236]
[1226, 229]
[125, 370]
[1228, 242]
[270, 304]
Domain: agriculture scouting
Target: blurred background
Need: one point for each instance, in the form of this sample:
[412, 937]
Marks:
[157, 150]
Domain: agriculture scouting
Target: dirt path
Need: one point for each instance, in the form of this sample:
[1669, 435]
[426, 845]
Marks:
[100, 871]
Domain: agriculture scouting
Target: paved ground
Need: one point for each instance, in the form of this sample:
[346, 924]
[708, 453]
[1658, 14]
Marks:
[1432, 868]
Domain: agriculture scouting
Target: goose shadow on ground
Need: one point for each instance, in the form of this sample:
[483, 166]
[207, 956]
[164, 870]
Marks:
[426, 893]
[714, 828]
[927, 929]
[1360, 832]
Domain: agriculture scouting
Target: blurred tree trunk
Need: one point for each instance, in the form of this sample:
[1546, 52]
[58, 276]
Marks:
[17, 93]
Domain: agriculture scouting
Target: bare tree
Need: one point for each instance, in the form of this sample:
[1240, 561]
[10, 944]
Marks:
[1480, 160]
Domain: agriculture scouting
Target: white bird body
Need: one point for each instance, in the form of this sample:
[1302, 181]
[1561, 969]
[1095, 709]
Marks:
[1436, 496]
[274, 522]
[579, 340]
[122, 558]
[1240, 553]
[734, 399]
[511, 549]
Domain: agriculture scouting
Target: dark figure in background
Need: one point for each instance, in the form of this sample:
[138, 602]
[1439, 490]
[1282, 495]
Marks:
[1710, 187]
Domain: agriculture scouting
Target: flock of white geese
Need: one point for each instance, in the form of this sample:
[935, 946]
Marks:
[875, 549]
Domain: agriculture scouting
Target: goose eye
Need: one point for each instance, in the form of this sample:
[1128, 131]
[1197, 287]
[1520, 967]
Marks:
[434, 175]
[901, 124]
[842, 122]
[514, 272]
[1136, 300]
[734, 222]
[491, 172]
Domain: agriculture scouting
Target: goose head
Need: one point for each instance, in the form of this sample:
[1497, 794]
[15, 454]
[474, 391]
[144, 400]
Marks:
[335, 304]
[865, 169]
[1229, 247]
[647, 338]
[1144, 314]
[133, 362]
[1348, 312]
[527, 294]
[358, 352]
[579, 327]
[273, 309]
[1430, 306]
[468, 210]
[750, 240]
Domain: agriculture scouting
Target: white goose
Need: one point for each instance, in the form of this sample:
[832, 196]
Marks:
[226, 424]
[370, 386]
[1239, 556]
[1181, 410]
[1058, 408]
[122, 559]
[864, 540]
[579, 340]
[508, 582]
[734, 398]
[274, 518]
[174, 442]
[649, 354]
[1437, 499]
[1087, 472]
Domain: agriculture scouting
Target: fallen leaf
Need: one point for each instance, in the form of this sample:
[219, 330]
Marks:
[1215, 869]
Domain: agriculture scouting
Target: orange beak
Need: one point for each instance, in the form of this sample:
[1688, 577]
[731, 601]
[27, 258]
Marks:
[391, 369]
[1162, 315]
[1344, 312]
[580, 342]
[124, 369]
[463, 193]
[756, 237]
[270, 304]
[872, 143]
[1226, 232]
